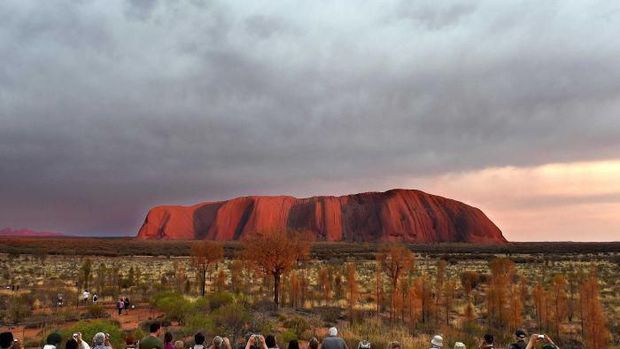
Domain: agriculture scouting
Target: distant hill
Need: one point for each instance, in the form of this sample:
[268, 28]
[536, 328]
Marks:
[396, 215]
[28, 233]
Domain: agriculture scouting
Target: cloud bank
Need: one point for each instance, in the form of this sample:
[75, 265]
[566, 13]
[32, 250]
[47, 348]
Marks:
[109, 107]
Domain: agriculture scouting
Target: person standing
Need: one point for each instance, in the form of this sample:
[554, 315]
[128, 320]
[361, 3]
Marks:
[520, 343]
[437, 342]
[52, 341]
[152, 340]
[168, 341]
[120, 305]
[333, 341]
[488, 342]
[126, 304]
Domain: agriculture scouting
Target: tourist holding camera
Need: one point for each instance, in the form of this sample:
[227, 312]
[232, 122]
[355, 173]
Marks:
[256, 341]
[542, 339]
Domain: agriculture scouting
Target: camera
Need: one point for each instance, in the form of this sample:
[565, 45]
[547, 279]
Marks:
[541, 336]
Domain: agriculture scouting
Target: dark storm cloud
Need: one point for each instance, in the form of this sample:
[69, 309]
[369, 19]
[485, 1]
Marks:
[109, 107]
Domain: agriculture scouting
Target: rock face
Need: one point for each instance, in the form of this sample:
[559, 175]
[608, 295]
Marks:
[396, 215]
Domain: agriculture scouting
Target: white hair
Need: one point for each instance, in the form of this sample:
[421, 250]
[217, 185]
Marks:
[333, 331]
[99, 338]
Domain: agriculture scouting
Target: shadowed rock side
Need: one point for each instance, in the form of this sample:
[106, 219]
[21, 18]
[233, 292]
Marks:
[396, 215]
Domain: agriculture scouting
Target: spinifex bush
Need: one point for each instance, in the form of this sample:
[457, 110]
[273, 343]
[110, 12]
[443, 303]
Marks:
[89, 328]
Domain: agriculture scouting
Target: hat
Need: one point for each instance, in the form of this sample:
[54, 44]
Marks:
[459, 345]
[364, 344]
[438, 341]
[333, 331]
[520, 333]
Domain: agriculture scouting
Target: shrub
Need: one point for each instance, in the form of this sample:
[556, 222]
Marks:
[89, 328]
[198, 322]
[298, 325]
[288, 336]
[174, 305]
[96, 311]
[220, 299]
[230, 320]
[329, 315]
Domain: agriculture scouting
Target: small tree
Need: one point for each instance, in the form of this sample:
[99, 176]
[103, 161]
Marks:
[395, 260]
[559, 301]
[449, 294]
[275, 253]
[540, 304]
[86, 269]
[352, 288]
[594, 325]
[204, 254]
[325, 284]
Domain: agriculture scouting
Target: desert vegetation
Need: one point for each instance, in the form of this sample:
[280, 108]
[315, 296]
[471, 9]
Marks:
[294, 288]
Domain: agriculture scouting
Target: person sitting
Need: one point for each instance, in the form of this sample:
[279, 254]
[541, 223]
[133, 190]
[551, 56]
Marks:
[488, 342]
[437, 342]
[520, 343]
[152, 340]
[333, 341]
[52, 341]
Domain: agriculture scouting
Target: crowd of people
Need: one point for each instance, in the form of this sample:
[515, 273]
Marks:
[256, 341]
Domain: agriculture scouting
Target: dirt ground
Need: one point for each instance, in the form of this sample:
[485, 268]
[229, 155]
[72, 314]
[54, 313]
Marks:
[128, 320]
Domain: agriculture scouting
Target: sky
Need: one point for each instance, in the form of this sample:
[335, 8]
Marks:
[110, 107]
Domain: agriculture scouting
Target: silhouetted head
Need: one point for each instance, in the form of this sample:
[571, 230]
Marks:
[313, 343]
[199, 338]
[294, 344]
[270, 340]
[154, 327]
[488, 338]
[71, 344]
[167, 337]
[6, 339]
[54, 339]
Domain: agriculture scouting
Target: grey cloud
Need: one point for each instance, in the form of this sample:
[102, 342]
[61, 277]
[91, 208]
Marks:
[110, 107]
